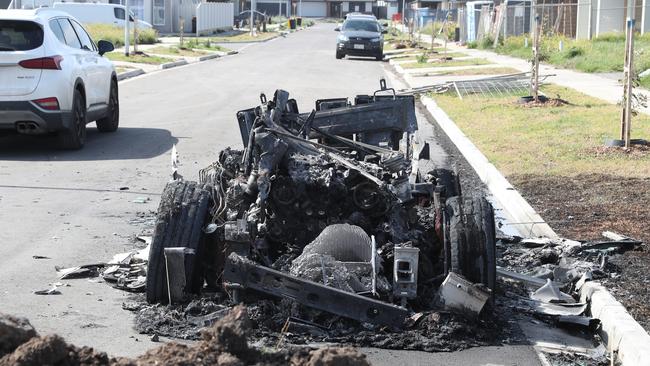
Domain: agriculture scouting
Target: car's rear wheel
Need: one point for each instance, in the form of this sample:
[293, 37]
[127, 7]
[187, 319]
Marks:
[75, 136]
[339, 55]
[112, 119]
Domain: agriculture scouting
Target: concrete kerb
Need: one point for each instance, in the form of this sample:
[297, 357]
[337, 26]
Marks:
[169, 65]
[525, 219]
[619, 329]
[130, 74]
[209, 57]
[138, 72]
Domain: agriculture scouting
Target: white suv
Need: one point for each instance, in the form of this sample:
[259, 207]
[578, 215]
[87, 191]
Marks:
[53, 78]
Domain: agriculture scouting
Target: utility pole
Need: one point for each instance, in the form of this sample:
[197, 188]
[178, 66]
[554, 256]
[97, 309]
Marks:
[626, 113]
[126, 28]
[252, 23]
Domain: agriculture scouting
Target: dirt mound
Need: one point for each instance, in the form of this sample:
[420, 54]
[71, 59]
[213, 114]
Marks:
[336, 356]
[225, 343]
[14, 331]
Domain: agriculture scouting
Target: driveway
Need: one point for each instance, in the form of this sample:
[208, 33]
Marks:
[74, 206]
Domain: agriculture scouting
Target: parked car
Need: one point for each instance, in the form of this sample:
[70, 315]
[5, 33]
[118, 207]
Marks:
[88, 13]
[245, 17]
[54, 78]
[360, 36]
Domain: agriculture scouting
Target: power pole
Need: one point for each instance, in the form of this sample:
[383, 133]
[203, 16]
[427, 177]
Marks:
[126, 28]
[252, 23]
[628, 72]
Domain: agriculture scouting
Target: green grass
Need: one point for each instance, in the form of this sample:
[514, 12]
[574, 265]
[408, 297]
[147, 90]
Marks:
[471, 72]
[204, 44]
[139, 58]
[602, 54]
[176, 51]
[115, 35]
[433, 56]
[435, 27]
[243, 37]
[470, 62]
[547, 140]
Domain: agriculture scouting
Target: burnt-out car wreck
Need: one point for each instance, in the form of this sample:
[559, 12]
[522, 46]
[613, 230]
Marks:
[336, 209]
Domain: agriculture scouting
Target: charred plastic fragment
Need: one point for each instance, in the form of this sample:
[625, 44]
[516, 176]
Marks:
[329, 208]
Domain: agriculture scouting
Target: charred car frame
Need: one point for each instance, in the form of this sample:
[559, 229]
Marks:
[338, 209]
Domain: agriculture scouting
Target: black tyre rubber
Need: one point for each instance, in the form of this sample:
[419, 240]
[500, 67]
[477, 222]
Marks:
[112, 119]
[339, 55]
[75, 137]
[179, 223]
[449, 180]
[379, 57]
[470, 244]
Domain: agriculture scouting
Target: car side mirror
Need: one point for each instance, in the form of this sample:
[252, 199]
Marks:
[104, 46]
[337, 29]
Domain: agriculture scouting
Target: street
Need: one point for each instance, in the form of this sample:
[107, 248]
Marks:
[79, 207]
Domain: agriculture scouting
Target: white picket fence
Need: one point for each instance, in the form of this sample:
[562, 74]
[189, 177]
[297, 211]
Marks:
[213, 16]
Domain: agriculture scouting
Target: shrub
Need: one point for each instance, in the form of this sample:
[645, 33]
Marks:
[115, 34]
[472, 44]
[422, 58]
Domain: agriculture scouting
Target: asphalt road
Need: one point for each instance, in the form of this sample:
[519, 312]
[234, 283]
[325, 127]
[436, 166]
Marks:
[68, 206]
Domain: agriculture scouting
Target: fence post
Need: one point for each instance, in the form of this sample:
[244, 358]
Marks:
[626, 113]
[534, 82]
[127, 34]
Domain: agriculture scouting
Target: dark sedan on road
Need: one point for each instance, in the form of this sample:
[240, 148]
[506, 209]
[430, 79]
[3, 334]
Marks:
[360, 36]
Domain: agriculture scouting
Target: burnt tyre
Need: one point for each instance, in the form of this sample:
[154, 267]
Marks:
[75, 136]
[181, 216]
[449, 181]
[470, 244]
[112, 119]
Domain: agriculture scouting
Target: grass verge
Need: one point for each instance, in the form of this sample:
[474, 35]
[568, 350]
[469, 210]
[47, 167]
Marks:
[482, 71]
[115, 35]
[204, 44]
[601, 54]
[470, 62]
[243, 37]
[176, 51]
[565, 140]
[138, 58]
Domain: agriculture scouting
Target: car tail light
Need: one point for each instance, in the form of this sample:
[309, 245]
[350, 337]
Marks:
[50, 104]
[45, 63]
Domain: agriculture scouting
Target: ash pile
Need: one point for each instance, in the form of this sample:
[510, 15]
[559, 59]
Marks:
[331, 225]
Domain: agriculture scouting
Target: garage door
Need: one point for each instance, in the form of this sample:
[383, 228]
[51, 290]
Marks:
[310, 9]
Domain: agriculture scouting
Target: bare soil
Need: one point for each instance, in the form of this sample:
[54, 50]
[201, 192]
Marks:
[584, 206]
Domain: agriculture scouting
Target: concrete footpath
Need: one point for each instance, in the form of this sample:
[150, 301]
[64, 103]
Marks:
[594, 85]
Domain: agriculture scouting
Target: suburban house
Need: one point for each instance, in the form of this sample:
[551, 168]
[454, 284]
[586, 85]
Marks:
[166, 16]
[317, 8]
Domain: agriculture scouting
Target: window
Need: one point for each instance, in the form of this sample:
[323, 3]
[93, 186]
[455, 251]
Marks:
[119, 13]
[158, 12]
[56, 29]
[69, 33]
[19, 35]
[361, 25]
[86, 41]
